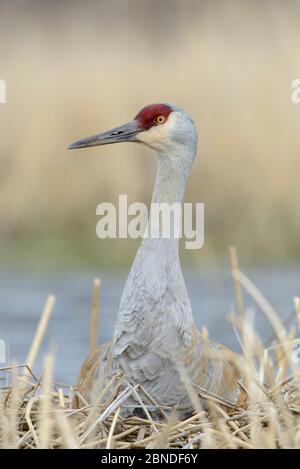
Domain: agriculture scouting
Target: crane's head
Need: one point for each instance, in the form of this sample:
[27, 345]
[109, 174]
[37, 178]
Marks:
[159, 126]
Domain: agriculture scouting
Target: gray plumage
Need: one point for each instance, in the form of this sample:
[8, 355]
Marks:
[154, 335]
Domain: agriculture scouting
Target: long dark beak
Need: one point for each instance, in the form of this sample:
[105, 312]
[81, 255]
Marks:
[123, 133]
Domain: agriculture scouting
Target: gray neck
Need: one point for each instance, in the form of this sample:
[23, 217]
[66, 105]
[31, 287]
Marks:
[171, 178]
[155, 286]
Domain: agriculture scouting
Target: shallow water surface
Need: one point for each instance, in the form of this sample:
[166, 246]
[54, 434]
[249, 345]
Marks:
[22, 297]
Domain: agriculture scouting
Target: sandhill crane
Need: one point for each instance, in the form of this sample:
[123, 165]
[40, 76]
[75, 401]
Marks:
[155, 335]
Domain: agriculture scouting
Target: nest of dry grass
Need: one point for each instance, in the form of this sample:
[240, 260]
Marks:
[36, 412]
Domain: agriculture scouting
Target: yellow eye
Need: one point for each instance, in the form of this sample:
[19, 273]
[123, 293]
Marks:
[160, 119]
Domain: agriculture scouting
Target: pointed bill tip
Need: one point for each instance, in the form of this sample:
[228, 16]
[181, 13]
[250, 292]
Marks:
[123, 133]
[82, 143]
[72, 146]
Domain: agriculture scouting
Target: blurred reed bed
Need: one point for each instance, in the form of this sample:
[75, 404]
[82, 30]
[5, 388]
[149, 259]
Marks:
[71, 72]
[36, 412]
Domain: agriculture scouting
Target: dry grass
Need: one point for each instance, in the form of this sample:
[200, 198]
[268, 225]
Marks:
[38, 413]
[79, 71]
[33, 415]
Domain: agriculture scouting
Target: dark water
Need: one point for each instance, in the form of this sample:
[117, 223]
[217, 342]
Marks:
[22, 297]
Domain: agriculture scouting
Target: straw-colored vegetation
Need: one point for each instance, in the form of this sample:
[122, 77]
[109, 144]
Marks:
[71, 72]
[39, 413]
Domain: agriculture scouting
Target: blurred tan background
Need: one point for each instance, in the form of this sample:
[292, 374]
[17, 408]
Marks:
[75, 68]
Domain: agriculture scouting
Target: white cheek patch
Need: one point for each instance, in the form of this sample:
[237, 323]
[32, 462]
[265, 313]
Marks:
[159, 135]
[153, 136]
